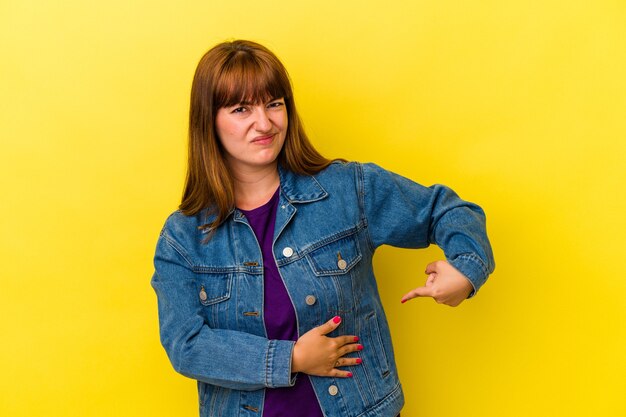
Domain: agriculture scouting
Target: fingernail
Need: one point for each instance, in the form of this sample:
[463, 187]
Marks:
[356, 338]
[349, 374]
[359, 360]
[403, 301]
[360, 347]
[337, 319]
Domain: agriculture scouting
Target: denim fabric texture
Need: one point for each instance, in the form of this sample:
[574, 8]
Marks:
[210, 295]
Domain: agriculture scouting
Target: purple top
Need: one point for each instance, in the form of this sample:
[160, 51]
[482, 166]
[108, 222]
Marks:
[280, 319]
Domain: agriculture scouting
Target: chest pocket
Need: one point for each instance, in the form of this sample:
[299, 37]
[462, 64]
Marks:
[213, 288]
[212, 292]
[335, 264]
[335, 258]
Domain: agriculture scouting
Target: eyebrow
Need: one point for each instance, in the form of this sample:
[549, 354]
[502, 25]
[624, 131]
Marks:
[251, 103]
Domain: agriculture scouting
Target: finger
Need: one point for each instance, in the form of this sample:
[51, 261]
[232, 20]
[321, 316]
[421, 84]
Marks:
[417, 292]
[345, 340]
[431, 279]
[348, 362]
[355, 347]
[432, 267]
[337, 373]
[330, 325]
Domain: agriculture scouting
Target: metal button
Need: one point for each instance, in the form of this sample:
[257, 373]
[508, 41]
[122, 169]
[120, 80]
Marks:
[333, 390]
[310, 300]
[342, 264]
[287, 252]
[202, 294]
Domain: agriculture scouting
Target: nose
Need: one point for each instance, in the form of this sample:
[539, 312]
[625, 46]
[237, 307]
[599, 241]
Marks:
[262, 122]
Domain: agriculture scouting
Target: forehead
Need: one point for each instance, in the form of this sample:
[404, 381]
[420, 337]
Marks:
[245, 79]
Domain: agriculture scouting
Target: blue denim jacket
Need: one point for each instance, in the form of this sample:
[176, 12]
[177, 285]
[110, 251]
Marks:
[328, 226]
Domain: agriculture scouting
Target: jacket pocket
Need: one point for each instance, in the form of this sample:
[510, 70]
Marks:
[213, 291]
[213, 288]
[335, 265]
[335, 258]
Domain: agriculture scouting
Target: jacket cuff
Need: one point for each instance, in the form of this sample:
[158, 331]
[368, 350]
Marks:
[473, 268]
[278, 364]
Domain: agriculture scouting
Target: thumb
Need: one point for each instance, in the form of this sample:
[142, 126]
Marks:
[423, 291]
[432, 267]
[330, 325]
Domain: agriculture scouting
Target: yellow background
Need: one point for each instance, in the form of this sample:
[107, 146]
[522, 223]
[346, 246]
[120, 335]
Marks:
[517, 105]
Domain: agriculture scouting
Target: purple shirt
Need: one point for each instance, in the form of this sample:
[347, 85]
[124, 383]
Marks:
[280, 320]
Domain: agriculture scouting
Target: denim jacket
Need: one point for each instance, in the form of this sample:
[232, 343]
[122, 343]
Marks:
[210, 295]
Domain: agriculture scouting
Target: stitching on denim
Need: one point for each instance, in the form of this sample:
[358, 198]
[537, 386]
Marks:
[330, 239]
[218, 299]
[214, 395]
[174, 245]
[375, 408]
[222, 401]
[324, 193]
[201, 269]
[291, 191]
[292, 382]
[361, 196]
[267, 364]
[476, 259]
[323, 242]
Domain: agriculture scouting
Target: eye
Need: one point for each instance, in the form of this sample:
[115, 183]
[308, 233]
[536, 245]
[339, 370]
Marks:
[238, 110]
[276, 103]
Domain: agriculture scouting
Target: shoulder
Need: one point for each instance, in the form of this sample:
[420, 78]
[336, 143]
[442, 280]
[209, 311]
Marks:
[182, 228]
[339, 171]
[351, 171]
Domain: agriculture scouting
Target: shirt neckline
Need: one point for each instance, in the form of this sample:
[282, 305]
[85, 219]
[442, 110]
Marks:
[262, 208]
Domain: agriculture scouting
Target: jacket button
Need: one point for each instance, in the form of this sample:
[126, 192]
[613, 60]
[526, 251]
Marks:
[342, 264]
[310, 300]
[333, 390]
[287, 252]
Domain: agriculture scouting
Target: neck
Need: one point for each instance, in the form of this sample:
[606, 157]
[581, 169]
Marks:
[255, 186]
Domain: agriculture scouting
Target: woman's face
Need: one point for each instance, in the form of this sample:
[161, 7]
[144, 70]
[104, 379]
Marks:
[252, 134]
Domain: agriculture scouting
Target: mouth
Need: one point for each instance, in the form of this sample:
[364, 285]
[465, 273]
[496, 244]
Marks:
[264, 140]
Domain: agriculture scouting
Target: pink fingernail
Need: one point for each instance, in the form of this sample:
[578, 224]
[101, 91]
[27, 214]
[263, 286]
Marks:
[349, 374]
[360, 347]
[356, 338]
[337, 319]
[359, 360]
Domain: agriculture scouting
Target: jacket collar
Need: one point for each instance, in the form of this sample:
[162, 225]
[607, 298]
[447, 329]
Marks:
[300, 188]
[296, 188]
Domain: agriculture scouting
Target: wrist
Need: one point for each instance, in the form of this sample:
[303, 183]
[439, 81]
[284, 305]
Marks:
[295, 360]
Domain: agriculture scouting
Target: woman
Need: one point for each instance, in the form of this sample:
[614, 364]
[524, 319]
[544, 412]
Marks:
[264, 276]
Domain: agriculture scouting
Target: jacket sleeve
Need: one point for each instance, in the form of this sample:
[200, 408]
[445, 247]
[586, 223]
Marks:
[402, 213]
[226, 358]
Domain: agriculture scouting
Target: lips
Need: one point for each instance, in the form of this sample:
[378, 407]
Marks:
[264, 140]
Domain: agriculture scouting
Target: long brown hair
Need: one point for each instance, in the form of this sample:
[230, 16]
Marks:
[228, 74]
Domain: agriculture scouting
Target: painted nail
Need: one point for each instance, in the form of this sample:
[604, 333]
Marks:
[359, 360]
[349, 374]
[359, 347]
[403, 301]
[337, 319]
[356, 338]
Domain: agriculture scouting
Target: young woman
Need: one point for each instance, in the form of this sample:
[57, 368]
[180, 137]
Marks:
[264, 276]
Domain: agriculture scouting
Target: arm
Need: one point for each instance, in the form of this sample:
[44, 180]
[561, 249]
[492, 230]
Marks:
[402, 213]
[226, 358]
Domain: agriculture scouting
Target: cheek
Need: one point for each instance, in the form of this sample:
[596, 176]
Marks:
[224, 126]
[283, 122]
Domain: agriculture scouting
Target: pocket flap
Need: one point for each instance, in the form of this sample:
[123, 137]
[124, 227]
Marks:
[214, 288]
[335, 258]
